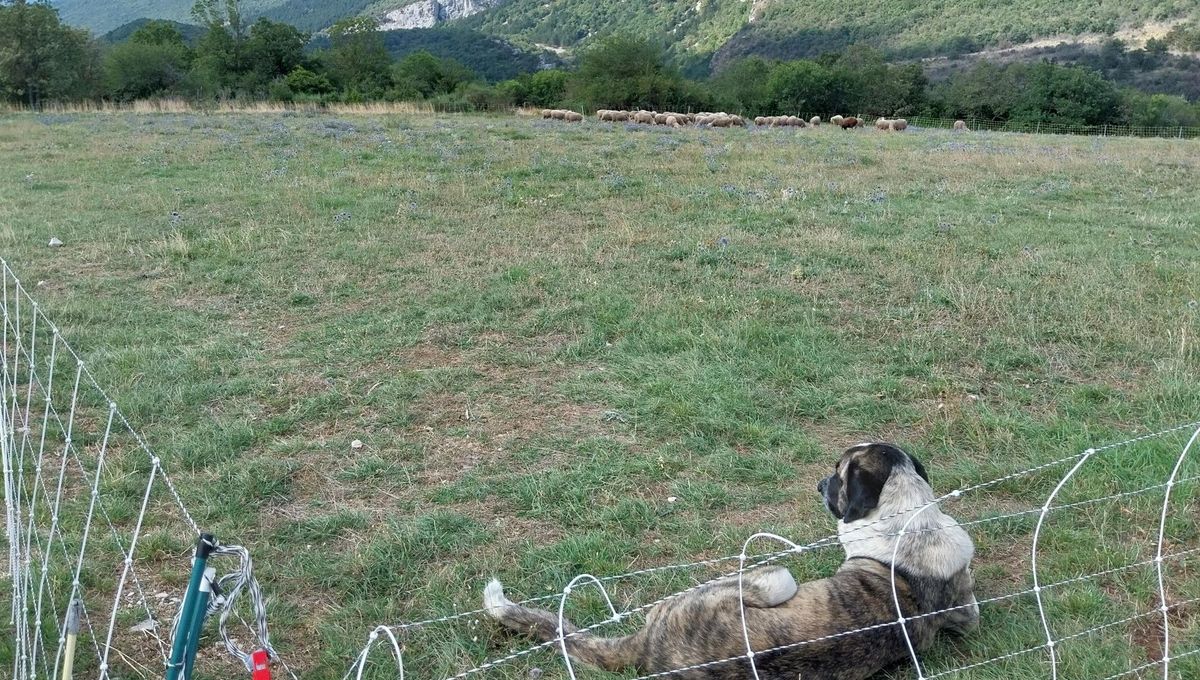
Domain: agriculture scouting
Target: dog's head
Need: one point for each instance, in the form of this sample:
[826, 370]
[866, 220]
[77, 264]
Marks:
[852, 492]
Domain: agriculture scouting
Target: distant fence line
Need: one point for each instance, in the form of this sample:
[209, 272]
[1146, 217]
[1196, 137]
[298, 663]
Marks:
[1175, 132]
[176, 105]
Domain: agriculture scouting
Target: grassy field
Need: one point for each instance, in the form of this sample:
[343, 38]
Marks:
[599, 349]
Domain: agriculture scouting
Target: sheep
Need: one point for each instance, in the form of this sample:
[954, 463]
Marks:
[558, 114]
[644, 117]
[836, 120]
[850, 122]
[815, 121]
[573, 117]
[672, 121]
[760, 120]
[883, 124]
[546, 113]
[794, 121]
[899, 125]
[660, 119]
[961, 126]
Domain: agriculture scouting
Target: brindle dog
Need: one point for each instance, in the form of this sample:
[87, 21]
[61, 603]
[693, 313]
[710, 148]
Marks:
[874, 491]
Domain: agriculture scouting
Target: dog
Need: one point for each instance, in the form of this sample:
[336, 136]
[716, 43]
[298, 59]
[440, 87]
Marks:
[874, 491]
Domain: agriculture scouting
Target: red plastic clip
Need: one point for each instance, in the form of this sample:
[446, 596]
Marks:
[260, 665]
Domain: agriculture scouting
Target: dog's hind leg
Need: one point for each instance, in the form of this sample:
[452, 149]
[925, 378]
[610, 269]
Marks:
[607, 653]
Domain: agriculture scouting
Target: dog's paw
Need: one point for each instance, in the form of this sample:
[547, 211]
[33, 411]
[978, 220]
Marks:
[494, 600]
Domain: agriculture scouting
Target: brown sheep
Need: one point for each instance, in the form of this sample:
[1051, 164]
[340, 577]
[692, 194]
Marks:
[573, 117]
[883, 124]
[836, 120]
[899, 125]
[849, 122]
[816, 121]
[961, 126]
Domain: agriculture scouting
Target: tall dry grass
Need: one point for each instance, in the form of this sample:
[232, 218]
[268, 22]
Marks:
[178, 105]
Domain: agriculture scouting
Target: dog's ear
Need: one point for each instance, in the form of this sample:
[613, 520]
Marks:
[919, 468]
[863, 488]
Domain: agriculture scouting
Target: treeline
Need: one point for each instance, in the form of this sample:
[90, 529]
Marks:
[41, 59]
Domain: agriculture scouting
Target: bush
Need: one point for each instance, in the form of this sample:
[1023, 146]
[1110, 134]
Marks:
[546, 88]
[279, 91]
[304, 81]
[625, 73]
[136, 70]
[1160, 110]
[421, 75]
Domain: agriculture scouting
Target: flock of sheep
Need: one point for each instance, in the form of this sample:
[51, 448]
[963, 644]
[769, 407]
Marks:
[708, 119]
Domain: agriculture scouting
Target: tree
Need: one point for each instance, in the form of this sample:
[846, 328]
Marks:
[304, 81]
[986, 91]
[546, 88]
[622, 72]
[224, 13]
[804, 87]
[1160, 110]
[157, 32]
[358, 61]
[153, 62]
[422, 75]
[1064, 94]
[743, 86]
[218, 64]
[274, 49]
[41, 58]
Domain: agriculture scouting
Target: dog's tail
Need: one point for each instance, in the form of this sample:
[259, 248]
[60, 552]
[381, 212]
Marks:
[608, 653]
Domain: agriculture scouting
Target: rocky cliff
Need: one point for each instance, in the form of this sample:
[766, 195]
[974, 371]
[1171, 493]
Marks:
[427, 13]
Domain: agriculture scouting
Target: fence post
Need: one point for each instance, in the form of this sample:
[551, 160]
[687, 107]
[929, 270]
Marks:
[205, 544]
[1180, 132]
[1039, 127]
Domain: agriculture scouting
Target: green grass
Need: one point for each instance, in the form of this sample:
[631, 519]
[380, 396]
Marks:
[541, 337]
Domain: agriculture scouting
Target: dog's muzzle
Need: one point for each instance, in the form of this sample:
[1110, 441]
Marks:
[828, 488]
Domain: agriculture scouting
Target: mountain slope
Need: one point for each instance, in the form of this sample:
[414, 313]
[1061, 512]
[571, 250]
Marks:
[492, 58]
[190, 32]
[726, 29]
[704, 32]
[102, 16]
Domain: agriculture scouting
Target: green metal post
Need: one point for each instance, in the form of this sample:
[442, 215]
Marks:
[187, 611]
[193, 637]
